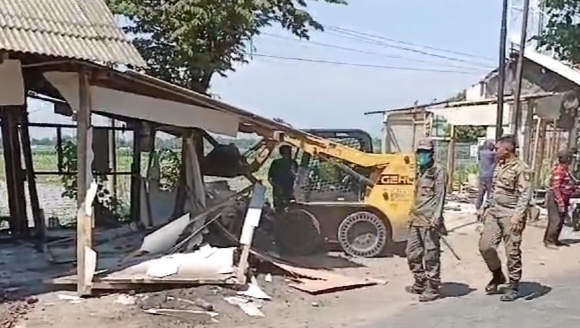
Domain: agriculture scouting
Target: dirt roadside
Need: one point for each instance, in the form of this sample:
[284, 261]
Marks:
[292, 308]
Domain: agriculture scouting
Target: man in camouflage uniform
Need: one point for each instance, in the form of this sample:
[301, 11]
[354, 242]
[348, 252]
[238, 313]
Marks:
[504, 217]
[426, 221]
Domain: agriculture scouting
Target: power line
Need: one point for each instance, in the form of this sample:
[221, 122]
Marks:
[360, 37]
[464, 54]
[327, 45]
[402, 68]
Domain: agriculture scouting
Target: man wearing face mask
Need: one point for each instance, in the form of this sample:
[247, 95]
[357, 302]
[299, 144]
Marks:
[426, 221]
[506, 212]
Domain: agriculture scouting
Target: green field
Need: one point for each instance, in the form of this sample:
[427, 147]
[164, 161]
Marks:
[46, 160]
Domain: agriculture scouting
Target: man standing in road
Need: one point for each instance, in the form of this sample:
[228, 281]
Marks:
[504, 218]
[281, 176]
[486, 158]
[426, 221]
[562, 186]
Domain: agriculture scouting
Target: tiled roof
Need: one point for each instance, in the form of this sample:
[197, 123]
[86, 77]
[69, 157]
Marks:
[76, 29]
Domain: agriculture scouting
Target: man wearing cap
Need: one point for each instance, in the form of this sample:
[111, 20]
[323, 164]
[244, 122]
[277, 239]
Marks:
[506, 212]
[426, 221]
[562, 186]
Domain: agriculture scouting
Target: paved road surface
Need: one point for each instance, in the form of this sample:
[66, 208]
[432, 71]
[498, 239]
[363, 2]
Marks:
[555, 303]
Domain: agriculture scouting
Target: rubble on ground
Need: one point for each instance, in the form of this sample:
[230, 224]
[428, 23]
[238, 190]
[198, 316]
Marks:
[16, 311]
[168, 257]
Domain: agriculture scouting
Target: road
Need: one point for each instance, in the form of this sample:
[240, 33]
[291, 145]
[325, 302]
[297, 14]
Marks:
[554, 303]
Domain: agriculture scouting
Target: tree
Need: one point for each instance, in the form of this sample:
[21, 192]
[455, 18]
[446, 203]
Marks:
[187, 42]
[562, 32]
[469, 133]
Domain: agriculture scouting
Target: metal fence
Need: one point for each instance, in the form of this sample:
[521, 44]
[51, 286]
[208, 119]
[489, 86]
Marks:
[465, 161]
[465, 153]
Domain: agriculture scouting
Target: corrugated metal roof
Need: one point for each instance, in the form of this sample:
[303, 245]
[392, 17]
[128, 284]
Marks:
[79, 29]
[556, 66]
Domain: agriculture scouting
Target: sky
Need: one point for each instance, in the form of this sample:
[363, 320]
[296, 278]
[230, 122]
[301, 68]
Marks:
[323, 95]
[316, 95]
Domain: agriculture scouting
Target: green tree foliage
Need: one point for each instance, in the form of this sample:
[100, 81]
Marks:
[186, 42]
[562, 33]
[468, 133]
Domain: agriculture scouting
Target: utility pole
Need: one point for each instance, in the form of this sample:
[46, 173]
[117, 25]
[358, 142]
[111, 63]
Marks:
[501, 68]
[516, 113]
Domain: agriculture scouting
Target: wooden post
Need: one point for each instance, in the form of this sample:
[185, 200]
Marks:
[542, 136]
[528, 132]
[135, 196]
[20, 218]
[551, 141]
[251, 221]
[385, 135]
[113, 159]
[556, 144]
[8, 168]
[59, 154]
[83, 118]
[39, 221]
[535, 153]
[451, 157]
[84, 222]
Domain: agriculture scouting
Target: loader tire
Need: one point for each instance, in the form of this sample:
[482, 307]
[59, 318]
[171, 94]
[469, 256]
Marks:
[363, 234]
[298, 232]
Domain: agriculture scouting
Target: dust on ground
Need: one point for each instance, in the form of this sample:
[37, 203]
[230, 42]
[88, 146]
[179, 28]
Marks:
[293, 308]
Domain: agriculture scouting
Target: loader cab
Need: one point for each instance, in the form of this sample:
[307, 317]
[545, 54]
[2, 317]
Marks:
[321, 181]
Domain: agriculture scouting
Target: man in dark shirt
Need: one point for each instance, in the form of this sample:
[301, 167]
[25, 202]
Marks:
[281, 176]
[486, 158]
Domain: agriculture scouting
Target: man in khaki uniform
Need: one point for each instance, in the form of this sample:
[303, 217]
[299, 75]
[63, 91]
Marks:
[504, 217]
[426, 221]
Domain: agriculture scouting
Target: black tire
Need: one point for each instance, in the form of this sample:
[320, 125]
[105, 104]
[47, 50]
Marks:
[358, 242]
[298, 232]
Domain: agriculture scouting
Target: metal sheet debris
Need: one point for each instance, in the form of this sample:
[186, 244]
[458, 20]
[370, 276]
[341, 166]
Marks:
[207, 262]
[208, 265]
[254, 291]
[165, 237]
[249, 307]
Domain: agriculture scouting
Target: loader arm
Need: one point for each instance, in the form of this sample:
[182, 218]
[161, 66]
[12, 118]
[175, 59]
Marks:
[330, 149]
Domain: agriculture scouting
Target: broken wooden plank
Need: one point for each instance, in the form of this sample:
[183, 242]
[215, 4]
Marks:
[317, 281]
[251, 221]
[330, 284]
[134, 283]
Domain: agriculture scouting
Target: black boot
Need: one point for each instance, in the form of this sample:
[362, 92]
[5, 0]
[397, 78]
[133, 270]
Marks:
[417, 288]
[511, 293]
[560, 243]
[430, 294]
[497, 279]
[551, 246]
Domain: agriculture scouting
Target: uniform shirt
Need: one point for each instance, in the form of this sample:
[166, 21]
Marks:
[430, 191]
[511, 190]
[562, 185]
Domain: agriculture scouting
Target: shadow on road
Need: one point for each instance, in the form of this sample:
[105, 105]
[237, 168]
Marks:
[531, 290]
[570, 241]
[455, 289]
[395, 250]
